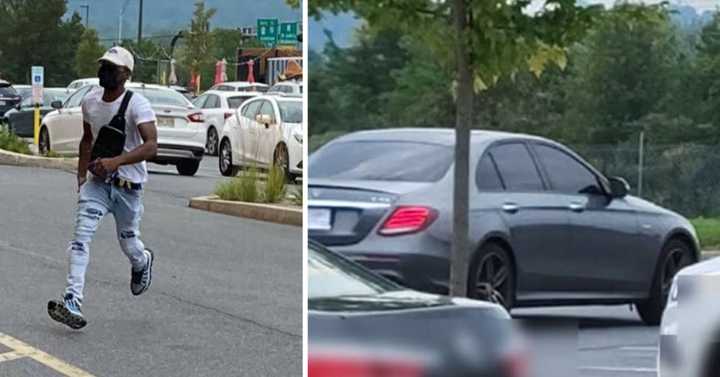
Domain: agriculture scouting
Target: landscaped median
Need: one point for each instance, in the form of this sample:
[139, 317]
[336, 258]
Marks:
[248, 196]
[19, 159]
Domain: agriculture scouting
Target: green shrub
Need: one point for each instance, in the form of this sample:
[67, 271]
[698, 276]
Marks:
[296, 197]
[708, 231]
[10, 142]
[241, 188]
[275, 185]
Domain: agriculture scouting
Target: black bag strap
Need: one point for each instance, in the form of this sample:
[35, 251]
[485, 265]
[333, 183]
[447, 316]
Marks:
[121, 112]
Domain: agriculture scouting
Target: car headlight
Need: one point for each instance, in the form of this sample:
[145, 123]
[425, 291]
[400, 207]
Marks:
[298, 137]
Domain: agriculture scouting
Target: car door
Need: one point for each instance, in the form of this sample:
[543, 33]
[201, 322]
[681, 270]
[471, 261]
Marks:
[66, 132]
[537, 220]
[604, 231]
[247, 140]
[268, 134]
[214, 114]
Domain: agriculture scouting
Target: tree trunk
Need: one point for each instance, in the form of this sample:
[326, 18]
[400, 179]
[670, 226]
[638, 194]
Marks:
[460, 255]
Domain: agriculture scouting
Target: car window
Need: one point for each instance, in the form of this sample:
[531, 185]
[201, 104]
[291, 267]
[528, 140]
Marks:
[487, 177]
[76, 98]
[235, 102]
[200, 101]
[267, 109]
[332, 276]
[251, 109]
[517, 169]
[382, 160]
[158, 96]
[565, 173]
[213, 102]
[291, 111]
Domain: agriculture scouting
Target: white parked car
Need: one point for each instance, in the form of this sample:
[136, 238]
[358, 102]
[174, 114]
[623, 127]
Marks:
[265, 131]
[217, 106]
[79, 83]
[291, 87]
[690, 327]
[241, 86]
[181, 136]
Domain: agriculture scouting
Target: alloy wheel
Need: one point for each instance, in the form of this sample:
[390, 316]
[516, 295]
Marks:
[493, 278]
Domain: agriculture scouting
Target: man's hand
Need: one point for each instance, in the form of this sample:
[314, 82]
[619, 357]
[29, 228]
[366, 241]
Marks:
[81, 179]
[104, 167]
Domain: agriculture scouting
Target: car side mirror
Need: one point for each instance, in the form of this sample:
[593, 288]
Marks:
[619, 187]
[264, 119]
[56, 105]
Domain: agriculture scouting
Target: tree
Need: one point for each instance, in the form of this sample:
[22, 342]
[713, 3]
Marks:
[199, 40]
[486, 40]
[88, 51]
[33, 32]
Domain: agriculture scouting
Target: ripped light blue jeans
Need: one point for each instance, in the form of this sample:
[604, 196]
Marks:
[97, 199]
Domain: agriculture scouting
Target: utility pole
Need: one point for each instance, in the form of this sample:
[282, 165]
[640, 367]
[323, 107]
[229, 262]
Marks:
[87, 14]
[140, 14]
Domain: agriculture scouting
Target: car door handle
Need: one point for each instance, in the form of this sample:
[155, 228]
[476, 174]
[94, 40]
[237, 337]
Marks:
[577, 206]
[510, 207]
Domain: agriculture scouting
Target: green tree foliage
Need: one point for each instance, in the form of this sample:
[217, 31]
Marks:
[199, 41]
[33, 32]
[88, 51]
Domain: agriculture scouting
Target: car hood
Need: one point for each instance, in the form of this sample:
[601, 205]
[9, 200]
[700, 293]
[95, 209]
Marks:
[707, 267]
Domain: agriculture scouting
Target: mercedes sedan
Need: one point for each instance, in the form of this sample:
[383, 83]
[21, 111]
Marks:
[546, 228]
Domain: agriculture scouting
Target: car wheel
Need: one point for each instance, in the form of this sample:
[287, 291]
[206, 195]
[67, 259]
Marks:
[212, 142]
[227, 169]
[492, 276]
[188, 167]
[44, 142]
[281, 159]
[674, 256]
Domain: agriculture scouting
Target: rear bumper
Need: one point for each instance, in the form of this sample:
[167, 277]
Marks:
[173, 153]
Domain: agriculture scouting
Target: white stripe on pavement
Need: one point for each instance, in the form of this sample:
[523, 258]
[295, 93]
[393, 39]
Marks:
[620, 369]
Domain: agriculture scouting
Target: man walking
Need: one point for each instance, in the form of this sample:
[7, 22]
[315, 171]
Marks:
[122, 122]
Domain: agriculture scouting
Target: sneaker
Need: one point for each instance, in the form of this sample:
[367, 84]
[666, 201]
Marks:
[67, 312]
[140, 280]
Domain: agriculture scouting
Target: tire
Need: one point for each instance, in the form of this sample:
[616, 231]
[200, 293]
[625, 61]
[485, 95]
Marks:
[492, 260]
[188, 167]
[711, 361]
[212, 143]
[281, 159]
[674, 256]
[225, 162]
[44, 142]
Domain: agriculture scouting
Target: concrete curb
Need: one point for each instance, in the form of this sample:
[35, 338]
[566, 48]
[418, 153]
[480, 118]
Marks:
[256, 211]
[18, 159]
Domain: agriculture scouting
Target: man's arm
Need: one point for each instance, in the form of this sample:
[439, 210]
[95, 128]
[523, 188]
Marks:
[85, 150]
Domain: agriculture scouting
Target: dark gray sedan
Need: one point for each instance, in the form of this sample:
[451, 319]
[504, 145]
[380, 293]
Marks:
[546, 228]
[20, 120]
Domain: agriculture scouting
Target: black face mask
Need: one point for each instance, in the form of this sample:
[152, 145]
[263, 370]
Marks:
[108, 76]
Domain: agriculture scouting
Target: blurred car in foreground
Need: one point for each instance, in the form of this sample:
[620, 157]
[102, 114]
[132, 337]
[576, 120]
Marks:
[20, 120]
[9, 97]
[241, 86]
[546, 228]
[362, 325]
[181, 140]
[690, 328]
[217, 106]
[265, 131]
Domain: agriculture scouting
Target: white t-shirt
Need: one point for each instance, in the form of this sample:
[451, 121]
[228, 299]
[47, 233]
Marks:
[98, 114]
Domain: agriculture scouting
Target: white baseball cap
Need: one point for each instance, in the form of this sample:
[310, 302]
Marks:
[120, 57]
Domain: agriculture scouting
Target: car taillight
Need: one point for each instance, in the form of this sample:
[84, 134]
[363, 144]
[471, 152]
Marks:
[361, 367]
[196, 117]
[228, 115]
[408, 219]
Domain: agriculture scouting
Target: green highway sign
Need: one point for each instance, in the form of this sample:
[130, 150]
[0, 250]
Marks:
[288, 33]
[267, 30]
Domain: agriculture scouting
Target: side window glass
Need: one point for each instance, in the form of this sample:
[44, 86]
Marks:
[200, 101]
[487, 177]
[517, 169]
[212, 102]
[565, 173]
[76, 98]
[251, 109]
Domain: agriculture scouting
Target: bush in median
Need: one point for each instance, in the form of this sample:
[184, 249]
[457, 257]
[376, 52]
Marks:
[10, 142]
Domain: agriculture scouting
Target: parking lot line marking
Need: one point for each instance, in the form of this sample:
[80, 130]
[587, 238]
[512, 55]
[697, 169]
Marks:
[25, 350]
[615, 369]
[9, 356]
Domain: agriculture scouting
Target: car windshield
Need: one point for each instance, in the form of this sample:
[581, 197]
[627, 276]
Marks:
[383, 160]
[253, 88]
[291, 111]
[8, 91]
[235, 102]
[163, 96]
[330, 276]
[49, 96]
